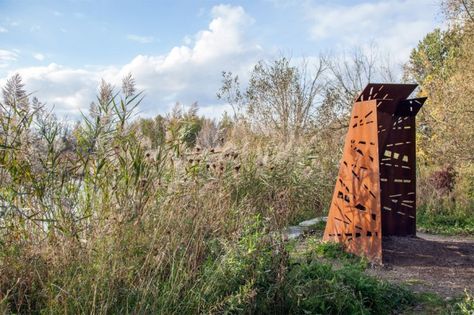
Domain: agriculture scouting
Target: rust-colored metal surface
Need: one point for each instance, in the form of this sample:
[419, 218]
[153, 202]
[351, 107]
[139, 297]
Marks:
[375, 189]
[354, 216]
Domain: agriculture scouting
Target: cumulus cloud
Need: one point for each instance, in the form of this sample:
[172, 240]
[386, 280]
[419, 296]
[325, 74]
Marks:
[140, 39]
[206, 51]
[395, 25]
[191, 72]
[69, 90]
[187, 73]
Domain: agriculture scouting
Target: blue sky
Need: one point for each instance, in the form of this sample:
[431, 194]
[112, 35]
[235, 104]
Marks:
[176, 50]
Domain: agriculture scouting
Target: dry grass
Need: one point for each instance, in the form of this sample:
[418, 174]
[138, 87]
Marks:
[95, 221]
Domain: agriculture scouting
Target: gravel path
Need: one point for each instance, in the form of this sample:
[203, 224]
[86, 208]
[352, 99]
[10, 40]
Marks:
[440, 264]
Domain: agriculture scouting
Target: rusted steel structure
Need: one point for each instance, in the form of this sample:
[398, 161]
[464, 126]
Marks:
[375, 192]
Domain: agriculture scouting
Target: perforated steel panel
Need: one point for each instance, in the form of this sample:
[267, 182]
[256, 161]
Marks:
[375, 189]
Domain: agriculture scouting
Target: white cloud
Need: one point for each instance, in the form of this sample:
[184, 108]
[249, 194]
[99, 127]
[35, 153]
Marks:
[3, 30]
[215, 111]
[38, 56]
[6, 57]
[140, 39]
[70, 90]
[187, 73]
[394, 25]
[192, 72]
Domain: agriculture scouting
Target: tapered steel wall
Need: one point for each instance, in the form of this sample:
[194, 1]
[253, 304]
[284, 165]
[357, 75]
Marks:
[375, 192]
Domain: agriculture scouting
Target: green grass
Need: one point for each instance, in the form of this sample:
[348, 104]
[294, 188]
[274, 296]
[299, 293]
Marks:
[261, 276]
[466, 304]
[323, 279]
[447, 222]
[98, 220]
[428, 303]
[322, 261]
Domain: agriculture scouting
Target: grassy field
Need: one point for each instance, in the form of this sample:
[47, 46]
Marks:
[106, 217]
[181, 214]
[446, 221]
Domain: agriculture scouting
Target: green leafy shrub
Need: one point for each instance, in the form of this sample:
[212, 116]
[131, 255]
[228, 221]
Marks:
[447, 221]
[466, 305]
[338, 285]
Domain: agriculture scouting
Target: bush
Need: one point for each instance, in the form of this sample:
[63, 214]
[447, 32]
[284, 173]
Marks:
[99, 219]
[444, 198]
[446, 221]
[317, 287]
[466, 305]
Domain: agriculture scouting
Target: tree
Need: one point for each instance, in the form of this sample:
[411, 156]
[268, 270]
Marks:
[280, 98]
[459, 9]
[346, 77]
[442, 65]
[434, 56]
[154, 130]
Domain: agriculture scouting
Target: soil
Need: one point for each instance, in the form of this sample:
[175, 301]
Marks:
[429, 263]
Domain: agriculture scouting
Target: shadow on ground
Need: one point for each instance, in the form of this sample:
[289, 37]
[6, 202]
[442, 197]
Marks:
[442, 265]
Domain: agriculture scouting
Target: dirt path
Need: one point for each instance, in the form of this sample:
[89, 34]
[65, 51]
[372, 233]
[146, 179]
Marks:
[433, 263]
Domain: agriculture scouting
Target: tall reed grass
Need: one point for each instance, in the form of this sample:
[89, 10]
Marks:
[94, 220]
